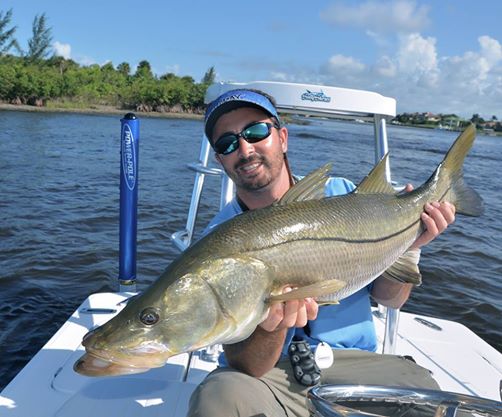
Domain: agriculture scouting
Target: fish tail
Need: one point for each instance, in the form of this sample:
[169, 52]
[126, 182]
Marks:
[466, 200]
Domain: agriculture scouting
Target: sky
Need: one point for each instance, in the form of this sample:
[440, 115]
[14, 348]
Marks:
[442, 56]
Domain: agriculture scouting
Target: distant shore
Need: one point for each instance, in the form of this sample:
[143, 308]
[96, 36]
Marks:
[98, 109]
[111, 110]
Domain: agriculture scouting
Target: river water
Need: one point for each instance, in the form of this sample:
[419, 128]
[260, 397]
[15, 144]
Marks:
[59, 178]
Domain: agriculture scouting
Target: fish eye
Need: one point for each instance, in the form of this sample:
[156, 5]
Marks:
[149, 316]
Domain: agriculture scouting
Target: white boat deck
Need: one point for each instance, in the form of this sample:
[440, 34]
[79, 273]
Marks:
[459, 360]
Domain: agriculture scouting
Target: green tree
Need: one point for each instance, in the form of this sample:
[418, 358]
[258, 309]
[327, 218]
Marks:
[168, 77]
[209, 76]
[9, 69]
[477, 120]
[144, 70]
[61, 64]
[7, 40]
[40, 42]
[124, 68]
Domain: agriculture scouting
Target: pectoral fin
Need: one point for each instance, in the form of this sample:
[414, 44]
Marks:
[405, 269]
[318, 289]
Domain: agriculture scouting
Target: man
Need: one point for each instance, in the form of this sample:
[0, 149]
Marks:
[245, 131]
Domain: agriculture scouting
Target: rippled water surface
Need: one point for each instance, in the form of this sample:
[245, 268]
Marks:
[59, 215]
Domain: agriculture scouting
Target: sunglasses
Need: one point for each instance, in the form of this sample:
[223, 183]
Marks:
[252, 133]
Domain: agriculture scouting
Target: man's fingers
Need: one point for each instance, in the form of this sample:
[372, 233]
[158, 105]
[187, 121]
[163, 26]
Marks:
[301, 316]
[448, 211]
[274, 318]
[291, 310]
[312, 308]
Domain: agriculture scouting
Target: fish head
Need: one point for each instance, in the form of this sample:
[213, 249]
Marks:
[152, 327]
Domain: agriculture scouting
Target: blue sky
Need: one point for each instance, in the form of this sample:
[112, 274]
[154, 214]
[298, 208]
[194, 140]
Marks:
[440, 56]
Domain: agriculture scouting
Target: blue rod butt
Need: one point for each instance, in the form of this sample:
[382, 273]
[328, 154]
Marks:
[129, 150]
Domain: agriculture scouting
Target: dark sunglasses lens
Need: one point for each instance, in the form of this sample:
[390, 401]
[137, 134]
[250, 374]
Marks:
[256, 132]
[227, 144]
[252, 134]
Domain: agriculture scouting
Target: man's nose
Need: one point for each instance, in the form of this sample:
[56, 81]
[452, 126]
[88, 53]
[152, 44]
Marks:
[245, 148]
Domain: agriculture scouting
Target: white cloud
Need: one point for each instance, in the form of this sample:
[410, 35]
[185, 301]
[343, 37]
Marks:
[340, 63]
[344, 70]
[62, 49]
[377, 17]
[421, 80]
[385, 67]
[491, 50]
[417, 59]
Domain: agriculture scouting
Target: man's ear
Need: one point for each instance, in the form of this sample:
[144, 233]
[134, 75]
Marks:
[283, 134]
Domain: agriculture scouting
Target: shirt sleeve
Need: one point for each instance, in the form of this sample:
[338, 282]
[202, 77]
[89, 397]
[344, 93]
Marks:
[232, 209]
[338, 186]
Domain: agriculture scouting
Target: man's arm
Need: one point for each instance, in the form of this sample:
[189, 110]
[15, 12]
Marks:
[259, 353]
[436, 218]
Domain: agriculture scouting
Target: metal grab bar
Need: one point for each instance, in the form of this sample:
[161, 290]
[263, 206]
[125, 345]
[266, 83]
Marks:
[390, 335]
[322, 400]
[183, 238]
[391, 314]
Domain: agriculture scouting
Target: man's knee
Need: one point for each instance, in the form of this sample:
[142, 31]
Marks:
[228, 392]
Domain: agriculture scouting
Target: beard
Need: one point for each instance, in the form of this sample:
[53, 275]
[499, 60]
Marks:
[266, 173]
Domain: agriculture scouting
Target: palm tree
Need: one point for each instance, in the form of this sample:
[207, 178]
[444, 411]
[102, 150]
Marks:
[7, 40]
[209, 76]
[40, 42]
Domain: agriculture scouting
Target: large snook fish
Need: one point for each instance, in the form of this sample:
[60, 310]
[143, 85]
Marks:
[220, 289]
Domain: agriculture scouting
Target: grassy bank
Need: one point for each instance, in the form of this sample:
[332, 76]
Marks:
[95, 109]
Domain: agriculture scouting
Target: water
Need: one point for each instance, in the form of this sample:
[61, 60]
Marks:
[59, 215]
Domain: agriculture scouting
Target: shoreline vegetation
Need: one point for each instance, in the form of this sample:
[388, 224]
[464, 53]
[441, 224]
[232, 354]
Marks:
[61, 85]
[103, 109]
[98, 110]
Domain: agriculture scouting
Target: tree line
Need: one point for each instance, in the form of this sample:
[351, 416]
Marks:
[447, 121]
[36, 78]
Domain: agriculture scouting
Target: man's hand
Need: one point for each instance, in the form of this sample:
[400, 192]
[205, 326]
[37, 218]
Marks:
[288, 314]
[259, 353]
[436, 218]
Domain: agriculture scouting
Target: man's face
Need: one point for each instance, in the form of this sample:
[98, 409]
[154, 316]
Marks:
[253, 166]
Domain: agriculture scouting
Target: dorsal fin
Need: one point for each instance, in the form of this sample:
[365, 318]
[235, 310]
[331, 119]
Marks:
[309, 188]
[376, 182]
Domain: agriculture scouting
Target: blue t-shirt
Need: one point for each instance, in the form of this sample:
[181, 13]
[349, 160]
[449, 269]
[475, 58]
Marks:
[347, 325]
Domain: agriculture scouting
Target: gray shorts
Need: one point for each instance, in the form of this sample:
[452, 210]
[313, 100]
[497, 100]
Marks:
[227, 392]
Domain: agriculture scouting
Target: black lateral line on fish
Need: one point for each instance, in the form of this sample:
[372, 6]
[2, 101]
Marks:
[337, 239]
[381, 239]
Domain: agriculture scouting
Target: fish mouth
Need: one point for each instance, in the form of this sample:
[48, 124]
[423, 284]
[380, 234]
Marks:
[105, 363]
[92, 365]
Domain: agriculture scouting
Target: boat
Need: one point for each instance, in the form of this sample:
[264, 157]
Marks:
[466, 367]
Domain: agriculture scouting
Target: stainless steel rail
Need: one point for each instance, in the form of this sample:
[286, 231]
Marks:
[322, 400]
[183, 238]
